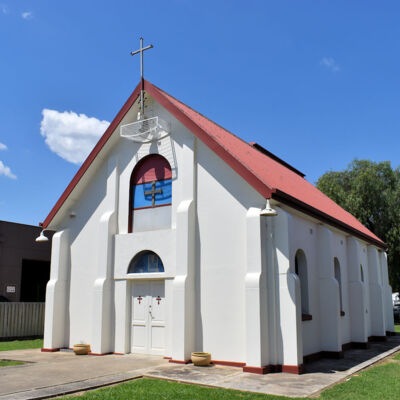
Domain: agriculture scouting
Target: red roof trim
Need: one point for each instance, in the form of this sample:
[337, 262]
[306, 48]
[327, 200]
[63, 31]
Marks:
[96, 150]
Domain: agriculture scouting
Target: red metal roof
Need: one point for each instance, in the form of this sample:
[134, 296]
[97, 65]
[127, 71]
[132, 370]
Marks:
[264, 173]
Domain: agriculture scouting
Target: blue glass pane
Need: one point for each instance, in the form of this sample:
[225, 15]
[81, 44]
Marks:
[147, 262]
[143, 194]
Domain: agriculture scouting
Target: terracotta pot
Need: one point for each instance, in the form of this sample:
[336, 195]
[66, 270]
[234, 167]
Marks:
[200, 358]
[81, 349]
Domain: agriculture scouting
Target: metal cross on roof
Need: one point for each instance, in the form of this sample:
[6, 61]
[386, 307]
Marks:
[141, 50]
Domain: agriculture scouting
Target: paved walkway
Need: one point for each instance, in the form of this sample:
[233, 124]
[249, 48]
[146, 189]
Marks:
[318, 376]
[50, 374]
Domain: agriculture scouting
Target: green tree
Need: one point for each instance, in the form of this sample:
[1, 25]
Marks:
[371, 192]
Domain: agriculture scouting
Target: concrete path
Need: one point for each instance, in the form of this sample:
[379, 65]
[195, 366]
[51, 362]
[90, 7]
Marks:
[47, 375]
[319, 374]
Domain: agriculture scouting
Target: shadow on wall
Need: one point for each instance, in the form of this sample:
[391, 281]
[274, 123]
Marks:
[197, 277]
[282, 253]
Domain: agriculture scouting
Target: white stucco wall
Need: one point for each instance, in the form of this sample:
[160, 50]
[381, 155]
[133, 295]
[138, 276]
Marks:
[304, 236]
[84, 249]
[222, 203]
[364, 263]
[340, 252]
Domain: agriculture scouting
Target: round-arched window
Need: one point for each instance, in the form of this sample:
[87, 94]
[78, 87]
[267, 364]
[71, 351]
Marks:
[338, 277]
[300, 267]
[151, 188]
[145, 262]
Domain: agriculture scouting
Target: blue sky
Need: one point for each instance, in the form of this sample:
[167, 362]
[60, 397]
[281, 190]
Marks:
[315, 82]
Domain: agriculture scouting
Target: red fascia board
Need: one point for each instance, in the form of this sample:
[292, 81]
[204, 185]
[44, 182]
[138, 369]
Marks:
[235, 164]
[96, 150]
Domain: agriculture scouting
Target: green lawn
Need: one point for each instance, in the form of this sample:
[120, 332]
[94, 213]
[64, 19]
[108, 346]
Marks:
[397, 328]
[153, 389]
[378, 383]
[21, 344]
[6, 363]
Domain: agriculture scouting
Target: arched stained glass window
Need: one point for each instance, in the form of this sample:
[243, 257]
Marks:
[145, 262]
[151, 187]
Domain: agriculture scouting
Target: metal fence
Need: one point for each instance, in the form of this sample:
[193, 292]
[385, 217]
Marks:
[21, 320]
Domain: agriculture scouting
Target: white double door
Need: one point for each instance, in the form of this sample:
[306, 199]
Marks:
[148, 317]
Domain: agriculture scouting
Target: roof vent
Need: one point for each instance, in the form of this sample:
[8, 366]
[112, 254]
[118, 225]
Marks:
[276, 158]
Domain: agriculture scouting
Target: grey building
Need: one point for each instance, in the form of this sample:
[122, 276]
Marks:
[24, 263]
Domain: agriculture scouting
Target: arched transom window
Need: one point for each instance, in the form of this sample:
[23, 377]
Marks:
[151, 189]
[145, 262]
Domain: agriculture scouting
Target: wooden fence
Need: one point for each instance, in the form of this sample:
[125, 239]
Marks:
[21, 320]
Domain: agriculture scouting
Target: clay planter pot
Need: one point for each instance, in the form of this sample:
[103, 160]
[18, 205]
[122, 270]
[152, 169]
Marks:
[200, 358]
[81, 349]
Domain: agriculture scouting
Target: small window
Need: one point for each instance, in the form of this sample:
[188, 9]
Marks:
[339, 279]
[300, 267]
[361, 273]
[145, 262]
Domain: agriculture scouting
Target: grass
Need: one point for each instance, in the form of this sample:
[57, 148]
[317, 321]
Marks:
[153, 389]
[397, 328]
[7, 363]
[381, 382]
[378, 383]
[21, 345]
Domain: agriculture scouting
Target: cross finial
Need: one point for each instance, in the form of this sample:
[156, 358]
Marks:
[141, 50]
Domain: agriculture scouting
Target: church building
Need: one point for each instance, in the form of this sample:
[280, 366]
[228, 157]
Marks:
[177, 236]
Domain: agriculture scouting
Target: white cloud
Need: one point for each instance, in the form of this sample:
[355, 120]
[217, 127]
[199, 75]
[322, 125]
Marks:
[3, 146]
[6, 171]
[70, 135]
[27, 15]
[330, 63]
